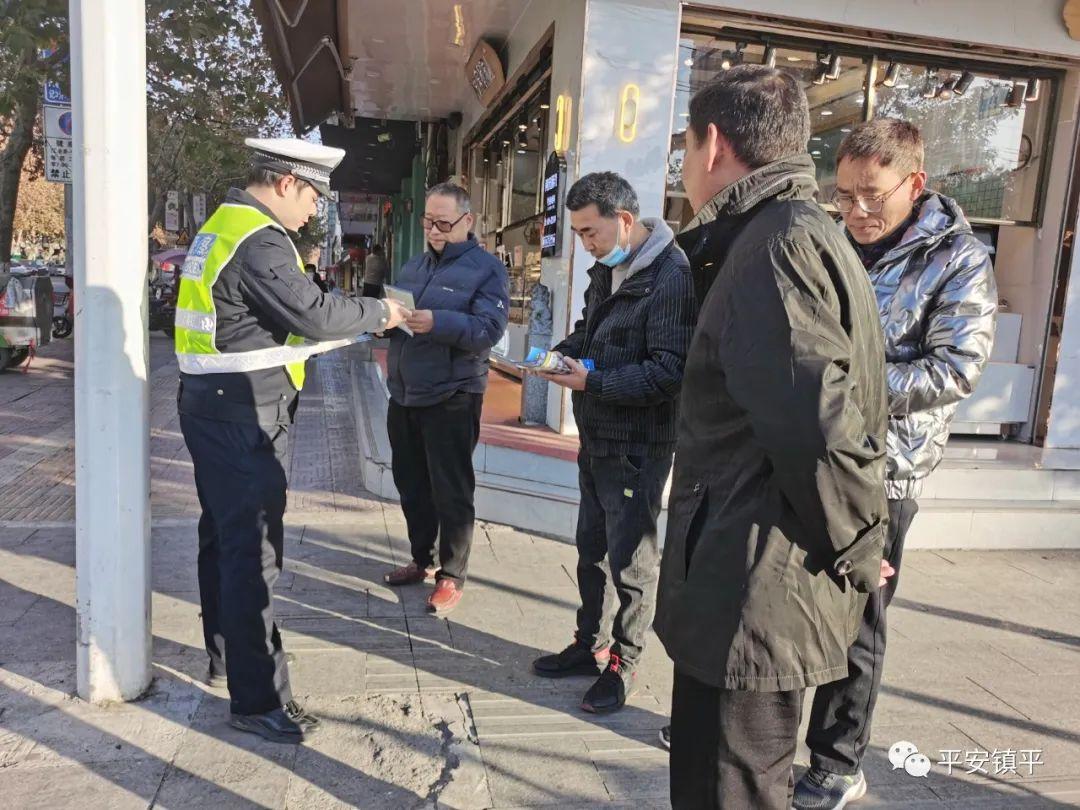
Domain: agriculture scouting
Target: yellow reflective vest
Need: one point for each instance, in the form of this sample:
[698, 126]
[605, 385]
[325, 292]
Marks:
[196, 317]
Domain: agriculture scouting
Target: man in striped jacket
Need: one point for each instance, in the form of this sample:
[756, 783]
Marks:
[636, 326]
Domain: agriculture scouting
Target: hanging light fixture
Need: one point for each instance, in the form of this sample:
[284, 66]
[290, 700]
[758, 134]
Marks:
[964, 82]
[1017, 94]
[769, 60]
[1032, 90]
[834, 67]
[947, 89]
[892, 74]
[821, 73]
[930, 86]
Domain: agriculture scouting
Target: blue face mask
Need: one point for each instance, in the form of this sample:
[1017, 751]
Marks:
[618, 254]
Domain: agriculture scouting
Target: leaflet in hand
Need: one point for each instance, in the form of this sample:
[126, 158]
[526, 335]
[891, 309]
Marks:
[405, 298]
[549, 362]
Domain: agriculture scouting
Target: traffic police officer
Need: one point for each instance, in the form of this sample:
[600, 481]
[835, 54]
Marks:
[247, 318]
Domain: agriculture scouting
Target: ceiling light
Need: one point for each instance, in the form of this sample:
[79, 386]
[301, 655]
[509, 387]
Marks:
[545, 106]
[523, 126]
[769, 60]
[816, 152]
[845, 129]
[383, 137]
[794, 58]
[964, 82]
[834, 67]
[726, 60]
[688, 61]
[930, 87]
[945, 92]
[1017, 95]
[1032, 90]
[378, 41]
[826, 112]
[892, 74]
[372, 74]
[684, 115]
[816, 138]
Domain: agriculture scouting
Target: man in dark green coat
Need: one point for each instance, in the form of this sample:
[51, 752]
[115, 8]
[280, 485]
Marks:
[777, 510]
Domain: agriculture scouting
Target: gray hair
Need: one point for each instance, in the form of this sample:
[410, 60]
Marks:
[455, 192]
[762, 112]
[608, 191]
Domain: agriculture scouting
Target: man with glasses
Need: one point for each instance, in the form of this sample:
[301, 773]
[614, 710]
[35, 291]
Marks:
[437, 377]
[937, 299]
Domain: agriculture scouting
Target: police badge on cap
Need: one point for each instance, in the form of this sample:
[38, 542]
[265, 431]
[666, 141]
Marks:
[310, 162]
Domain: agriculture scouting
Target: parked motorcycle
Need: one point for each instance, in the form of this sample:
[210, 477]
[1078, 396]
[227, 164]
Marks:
[63, 317]
[162, 311]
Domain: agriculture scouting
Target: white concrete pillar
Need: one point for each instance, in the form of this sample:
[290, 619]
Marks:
[112, 461]
[622, 123]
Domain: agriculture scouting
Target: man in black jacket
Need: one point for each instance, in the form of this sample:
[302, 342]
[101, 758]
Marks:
[777, 509]
[639, 313]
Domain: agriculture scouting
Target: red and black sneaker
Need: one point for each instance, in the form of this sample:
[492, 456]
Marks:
[577, 659]
[612, 688]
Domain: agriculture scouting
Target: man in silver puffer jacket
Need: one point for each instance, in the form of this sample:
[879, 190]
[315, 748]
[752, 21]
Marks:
[937, 299]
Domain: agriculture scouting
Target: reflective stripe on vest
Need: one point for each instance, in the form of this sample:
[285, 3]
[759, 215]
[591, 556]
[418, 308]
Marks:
[196, 316]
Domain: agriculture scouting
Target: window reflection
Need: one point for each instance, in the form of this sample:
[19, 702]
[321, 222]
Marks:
[978, 148]
[981, 130]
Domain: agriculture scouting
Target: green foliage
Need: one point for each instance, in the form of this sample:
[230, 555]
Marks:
[27, 28]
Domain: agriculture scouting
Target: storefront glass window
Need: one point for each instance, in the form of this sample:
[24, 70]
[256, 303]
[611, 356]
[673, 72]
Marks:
[837, 99]
[984, 134]
[979, 142]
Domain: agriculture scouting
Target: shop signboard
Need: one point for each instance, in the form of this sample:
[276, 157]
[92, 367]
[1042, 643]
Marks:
[172, 211]
[554, 182]
[484, 72]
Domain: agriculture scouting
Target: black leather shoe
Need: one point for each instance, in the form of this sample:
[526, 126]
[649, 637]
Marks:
[577, 659]
[275, 726]
[611, 689]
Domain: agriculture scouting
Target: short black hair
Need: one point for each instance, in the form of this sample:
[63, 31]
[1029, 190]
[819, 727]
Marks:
[761, 111]
[608, 191]
[259, 176]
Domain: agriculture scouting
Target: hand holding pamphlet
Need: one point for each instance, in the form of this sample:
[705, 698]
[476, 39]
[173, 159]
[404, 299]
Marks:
[406, 299]
[542, 361]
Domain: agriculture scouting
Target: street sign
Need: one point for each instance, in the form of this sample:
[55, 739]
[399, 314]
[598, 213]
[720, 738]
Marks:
[58, 160]
[54, 94]
[172, 211]
[198, 209]
[57, 122]
[554, 182]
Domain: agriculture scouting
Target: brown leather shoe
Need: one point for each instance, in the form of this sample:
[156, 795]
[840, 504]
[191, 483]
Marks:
[410, 574]
[445, 597]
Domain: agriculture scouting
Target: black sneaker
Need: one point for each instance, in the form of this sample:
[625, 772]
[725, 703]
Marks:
[611, 689]
[577, 659]
[665, 738]
[822, 790]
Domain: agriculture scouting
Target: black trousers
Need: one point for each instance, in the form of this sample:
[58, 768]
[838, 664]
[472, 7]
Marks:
[616, 535]
[732, 750]
[240, 476]
[432, 463]
[839, 730]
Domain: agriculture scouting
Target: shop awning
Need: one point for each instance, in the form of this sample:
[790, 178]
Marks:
[384, 59]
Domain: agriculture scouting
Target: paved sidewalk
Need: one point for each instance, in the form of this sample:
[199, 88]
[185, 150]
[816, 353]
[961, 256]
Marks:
[425, 712]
